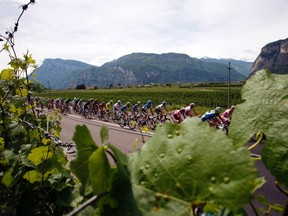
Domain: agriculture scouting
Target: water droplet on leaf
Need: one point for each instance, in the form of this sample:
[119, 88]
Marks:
[169, 136]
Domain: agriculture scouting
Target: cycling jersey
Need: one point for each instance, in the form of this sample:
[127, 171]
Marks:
[147, 106]
[210, 115]
[160, 107]
[116, 107]
[108, 105]
[124, 108]
[226, 116]
[135, 108]
[87, 105]
[176, 116]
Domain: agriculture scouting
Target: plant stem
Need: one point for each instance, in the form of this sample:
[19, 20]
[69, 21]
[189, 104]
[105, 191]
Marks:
[88, 202]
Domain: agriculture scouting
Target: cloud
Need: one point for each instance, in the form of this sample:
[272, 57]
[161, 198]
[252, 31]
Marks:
[99, 31]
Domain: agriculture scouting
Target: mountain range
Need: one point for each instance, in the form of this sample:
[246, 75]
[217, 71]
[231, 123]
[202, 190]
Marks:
[139, 69]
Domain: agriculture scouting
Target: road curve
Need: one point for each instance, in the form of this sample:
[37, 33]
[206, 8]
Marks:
[123, 138]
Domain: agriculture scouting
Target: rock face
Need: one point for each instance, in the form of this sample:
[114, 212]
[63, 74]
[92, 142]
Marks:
[274, 57]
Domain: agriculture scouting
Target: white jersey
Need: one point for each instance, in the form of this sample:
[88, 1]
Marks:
[160, 107]
[116, 106]
[188, 111]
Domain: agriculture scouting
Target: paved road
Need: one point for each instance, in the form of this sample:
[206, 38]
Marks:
[124, 137]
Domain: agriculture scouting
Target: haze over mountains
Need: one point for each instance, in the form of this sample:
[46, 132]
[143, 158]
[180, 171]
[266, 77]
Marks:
[139, 69]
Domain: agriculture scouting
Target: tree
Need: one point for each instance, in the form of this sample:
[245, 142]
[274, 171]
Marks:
[81, 86]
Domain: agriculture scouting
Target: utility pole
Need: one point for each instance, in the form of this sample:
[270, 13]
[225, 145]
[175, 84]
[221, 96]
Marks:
[229, 69]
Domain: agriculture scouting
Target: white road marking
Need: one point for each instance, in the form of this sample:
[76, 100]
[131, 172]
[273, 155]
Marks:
[75, 116]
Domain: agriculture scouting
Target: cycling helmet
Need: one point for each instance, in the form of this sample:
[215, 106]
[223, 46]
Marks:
[128, 104]
[232, 107]
[218, 109]
[111, 101]
[164, 102]
[139, 102]
[119, 101]
[149, 101]
[192, 105]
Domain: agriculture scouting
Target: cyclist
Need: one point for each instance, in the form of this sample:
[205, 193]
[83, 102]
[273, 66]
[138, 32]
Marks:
[212, 117]
[102, 105]
[109, 105]
[189, 110]
[159, 109]
[227, 115]
[135, 108]
[176, 115]
[87, 106]
[124, 110]
[117, 106]
[147, 106]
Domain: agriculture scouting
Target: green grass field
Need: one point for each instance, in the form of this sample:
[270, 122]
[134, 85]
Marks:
[205, 98]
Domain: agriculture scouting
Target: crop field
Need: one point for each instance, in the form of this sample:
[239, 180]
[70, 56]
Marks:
[204, 97]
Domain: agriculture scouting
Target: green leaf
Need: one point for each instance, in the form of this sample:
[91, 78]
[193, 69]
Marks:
[104, 135]
[7, 179]
[33, 176]
[2, 142]
[40, 154]
[85, 148]
[121, 189]
[99, 168]
[188, 164]
[277, 208]
[262, 199]
[7, 74]
[265, 109]
[259, 182]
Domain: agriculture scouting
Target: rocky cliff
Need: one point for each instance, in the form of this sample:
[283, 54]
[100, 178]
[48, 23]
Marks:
[274, 57]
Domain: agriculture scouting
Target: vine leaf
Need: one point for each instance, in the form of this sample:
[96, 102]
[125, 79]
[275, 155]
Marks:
[7, 74]
[40, 154]
[99, 169]
[85, 148]
[7, 179]
[121, 188]
[188, 165]
[104, 135]
[265, 109]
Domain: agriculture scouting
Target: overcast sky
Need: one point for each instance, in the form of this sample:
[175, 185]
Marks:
[95, 31]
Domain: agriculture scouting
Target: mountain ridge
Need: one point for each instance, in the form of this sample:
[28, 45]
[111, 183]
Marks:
[134, 69]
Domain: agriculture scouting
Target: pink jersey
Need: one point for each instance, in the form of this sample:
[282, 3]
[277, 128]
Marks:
[227, 114]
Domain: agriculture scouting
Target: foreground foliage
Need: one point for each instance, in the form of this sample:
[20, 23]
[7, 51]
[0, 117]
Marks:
[187, 167]
[34, 179]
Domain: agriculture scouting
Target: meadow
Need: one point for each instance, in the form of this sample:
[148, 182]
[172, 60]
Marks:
[205, 98]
